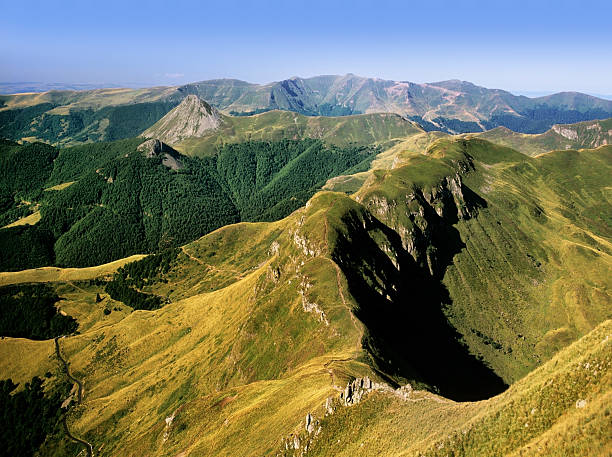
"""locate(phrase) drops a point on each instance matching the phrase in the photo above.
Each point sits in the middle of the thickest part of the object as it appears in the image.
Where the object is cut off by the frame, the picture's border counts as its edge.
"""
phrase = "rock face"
(394, 252)
(155, 148)
(565, 132)
(426, 216)
(193, 117)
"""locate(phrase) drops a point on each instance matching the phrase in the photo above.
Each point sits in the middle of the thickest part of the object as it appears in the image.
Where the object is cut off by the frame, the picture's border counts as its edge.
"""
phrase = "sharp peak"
(193, 98)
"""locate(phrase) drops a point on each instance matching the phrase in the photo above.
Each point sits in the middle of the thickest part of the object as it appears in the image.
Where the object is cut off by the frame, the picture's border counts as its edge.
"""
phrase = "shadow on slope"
(401, 302)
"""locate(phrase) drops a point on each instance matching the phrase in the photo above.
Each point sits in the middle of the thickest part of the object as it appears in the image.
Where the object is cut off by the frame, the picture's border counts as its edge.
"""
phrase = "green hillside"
(519, 242)
(74, 117)
(126, 198)
(279, 125)
(591, 134)
(460, 268)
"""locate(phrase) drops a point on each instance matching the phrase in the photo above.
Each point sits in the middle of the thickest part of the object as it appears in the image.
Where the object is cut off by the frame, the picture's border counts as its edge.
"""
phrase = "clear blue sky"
(515, 45)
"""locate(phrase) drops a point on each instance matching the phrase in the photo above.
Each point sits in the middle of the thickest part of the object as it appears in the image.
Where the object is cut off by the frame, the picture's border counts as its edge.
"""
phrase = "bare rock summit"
(193, 117)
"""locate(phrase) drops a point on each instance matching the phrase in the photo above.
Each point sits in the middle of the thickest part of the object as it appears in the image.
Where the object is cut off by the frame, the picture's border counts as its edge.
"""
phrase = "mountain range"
(70, 117)
(237, 274)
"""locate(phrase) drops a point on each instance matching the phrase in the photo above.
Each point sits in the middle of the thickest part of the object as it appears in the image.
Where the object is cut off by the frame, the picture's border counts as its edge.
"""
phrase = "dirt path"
(330, 371)
(58, 352)
(195, 259)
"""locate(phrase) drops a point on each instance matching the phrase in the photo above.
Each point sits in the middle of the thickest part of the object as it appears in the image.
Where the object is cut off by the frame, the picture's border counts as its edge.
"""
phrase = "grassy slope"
(54, 274)
(390, 158)
(539, 251)
(278, 125)
(31, 219)
(590, 134)
(96, 98)
(537, 416)
(245, 337)
(238, 361)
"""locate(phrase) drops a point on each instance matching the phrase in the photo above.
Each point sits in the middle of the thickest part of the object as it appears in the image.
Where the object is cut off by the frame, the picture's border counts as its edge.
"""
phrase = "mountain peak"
(193, 117)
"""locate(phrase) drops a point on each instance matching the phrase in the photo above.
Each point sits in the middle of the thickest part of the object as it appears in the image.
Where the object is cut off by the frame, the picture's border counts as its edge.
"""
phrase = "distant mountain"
(589, 134)
(26, 87)
(454, 106)
(69, 117)
(277, 125)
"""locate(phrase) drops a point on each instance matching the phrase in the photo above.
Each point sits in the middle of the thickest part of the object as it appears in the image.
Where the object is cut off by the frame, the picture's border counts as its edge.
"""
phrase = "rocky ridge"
(297, 444)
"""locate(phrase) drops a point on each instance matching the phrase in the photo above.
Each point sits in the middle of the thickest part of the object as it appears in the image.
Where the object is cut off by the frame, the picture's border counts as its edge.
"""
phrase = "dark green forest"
(28, 311)
(267, 181)
(122, 202)
(136, 275)
(29, 416)
(105, 124)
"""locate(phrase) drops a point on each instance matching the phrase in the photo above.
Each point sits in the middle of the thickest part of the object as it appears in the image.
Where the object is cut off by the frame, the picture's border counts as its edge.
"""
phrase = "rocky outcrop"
(307, 305)
(423, 218)
(154, 148)
(298, 444)
(193, 117)
(565, 132)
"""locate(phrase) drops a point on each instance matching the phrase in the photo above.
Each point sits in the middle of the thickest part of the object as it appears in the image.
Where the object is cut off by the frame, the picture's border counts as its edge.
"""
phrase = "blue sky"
(515, 45)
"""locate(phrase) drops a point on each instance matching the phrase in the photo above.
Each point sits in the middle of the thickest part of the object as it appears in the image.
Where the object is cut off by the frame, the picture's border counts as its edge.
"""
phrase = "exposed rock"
(329, 406)
(273, 274)
(274, 248)
(169, 421)
(155, 148)
(309, 423)
(308, 306)
(297, 445)
(565, 132)
(422, 217)
(356, 390)
(302, 243)
(193, 117)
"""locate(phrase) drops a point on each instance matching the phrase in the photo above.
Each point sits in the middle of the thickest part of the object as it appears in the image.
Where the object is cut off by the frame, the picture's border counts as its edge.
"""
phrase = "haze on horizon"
(521, 46)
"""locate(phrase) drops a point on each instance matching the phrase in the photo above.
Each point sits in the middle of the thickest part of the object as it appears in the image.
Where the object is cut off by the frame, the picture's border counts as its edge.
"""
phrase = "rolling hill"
(366, 129)
(99, 202)
(73, 117)
(458, 302)
(590, 134)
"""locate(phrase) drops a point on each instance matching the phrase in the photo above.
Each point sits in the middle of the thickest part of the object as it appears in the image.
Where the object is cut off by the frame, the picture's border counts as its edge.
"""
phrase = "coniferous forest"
(118, 202)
